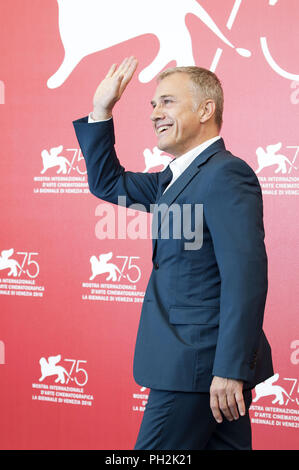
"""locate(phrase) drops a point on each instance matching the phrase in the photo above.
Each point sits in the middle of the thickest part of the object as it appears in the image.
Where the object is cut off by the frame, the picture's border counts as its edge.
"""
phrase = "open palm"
(112, 87)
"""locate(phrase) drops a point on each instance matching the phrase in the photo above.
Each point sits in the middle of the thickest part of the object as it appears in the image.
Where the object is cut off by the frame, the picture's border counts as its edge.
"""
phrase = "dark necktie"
(165, 178)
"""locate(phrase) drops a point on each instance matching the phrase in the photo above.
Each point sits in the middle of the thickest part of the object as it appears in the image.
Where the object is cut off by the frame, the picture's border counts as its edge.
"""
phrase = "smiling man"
(180, 106)
(200, 346)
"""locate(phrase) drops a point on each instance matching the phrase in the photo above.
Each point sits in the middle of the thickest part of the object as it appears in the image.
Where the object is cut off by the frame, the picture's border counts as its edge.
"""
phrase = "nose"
(157, 113)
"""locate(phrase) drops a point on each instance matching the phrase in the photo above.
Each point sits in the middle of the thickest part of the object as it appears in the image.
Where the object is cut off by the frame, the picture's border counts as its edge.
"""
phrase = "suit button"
(156, 265)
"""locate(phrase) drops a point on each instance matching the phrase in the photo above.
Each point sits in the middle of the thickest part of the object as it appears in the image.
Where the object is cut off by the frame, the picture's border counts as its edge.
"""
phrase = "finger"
(232, 404)
(129, 73)
(128, 64)
(125, 70)
(111, 70)
(122, 66)
(224, 407)
(214, 405)
(240, 403)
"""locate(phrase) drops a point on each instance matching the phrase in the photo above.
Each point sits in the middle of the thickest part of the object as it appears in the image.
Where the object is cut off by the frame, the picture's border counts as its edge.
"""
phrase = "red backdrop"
(68, 322)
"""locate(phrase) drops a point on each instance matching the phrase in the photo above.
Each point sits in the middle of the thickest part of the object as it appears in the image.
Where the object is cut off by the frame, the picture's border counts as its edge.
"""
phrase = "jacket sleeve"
(107, 178)
(234, 215)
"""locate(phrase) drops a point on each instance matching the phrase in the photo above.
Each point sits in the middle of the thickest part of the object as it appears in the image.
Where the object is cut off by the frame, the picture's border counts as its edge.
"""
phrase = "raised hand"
(112, 87)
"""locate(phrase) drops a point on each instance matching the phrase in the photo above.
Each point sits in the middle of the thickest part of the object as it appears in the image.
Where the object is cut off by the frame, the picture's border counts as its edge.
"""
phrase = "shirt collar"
(179, 164)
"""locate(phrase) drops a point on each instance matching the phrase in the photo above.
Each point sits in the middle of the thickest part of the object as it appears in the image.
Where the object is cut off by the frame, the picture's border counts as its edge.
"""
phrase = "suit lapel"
(184, 179)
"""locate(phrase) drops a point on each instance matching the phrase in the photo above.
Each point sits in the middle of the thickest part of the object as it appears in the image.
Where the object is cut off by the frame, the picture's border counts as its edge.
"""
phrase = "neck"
(208, 134)
(203, 136)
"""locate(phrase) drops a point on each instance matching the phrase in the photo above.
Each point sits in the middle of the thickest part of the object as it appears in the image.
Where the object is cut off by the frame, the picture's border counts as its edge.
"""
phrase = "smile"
(162, 129)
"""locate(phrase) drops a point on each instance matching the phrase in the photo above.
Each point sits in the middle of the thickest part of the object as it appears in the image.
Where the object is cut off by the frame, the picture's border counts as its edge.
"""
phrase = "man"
(200, 347)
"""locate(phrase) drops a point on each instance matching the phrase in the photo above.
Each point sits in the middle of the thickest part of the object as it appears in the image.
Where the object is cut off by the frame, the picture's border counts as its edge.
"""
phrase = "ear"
(207, 110)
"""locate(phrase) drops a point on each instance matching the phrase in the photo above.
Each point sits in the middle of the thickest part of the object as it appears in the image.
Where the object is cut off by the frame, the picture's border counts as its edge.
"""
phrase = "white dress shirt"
(178, 165)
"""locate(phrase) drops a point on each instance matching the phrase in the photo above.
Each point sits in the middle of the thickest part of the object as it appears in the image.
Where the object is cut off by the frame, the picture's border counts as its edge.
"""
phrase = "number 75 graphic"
(78, 370)
(33, 271)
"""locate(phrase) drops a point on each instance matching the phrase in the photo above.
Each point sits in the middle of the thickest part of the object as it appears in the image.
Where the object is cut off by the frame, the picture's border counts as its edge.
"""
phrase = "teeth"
(164, 128)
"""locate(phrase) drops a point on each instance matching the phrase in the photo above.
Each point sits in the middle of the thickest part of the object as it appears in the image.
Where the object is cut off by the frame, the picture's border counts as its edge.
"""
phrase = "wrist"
(101, 114)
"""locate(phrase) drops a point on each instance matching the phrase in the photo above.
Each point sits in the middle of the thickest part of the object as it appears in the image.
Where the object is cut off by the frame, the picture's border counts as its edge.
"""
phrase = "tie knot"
(166, 177)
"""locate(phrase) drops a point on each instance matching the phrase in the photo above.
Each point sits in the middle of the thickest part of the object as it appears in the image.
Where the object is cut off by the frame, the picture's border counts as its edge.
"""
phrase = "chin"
(164, 147)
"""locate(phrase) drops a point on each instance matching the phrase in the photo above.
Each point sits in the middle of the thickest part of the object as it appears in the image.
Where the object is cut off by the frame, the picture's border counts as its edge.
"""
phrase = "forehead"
(177, 84)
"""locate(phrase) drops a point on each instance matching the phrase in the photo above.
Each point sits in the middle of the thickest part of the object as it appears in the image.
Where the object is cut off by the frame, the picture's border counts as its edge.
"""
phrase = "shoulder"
(225, 165)
(226, 161)
(230, 175)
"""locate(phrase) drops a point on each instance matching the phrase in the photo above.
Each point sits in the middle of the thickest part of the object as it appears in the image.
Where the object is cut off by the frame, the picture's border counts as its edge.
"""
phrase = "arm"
(234, 215)
(107, 178)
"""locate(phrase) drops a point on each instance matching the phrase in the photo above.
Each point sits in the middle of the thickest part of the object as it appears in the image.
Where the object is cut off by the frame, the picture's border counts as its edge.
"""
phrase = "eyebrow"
(161, 97)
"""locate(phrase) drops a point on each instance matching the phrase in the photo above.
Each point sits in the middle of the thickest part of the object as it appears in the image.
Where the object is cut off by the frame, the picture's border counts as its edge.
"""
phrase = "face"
(175, 117)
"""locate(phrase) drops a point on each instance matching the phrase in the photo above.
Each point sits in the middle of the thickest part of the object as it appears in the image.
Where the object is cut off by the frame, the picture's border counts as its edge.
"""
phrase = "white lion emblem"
(155, 158)
(49, 367)
(270, 157)
(12, 264)
(89, 26)
(267, 388)
(54, 159)
(100, 266)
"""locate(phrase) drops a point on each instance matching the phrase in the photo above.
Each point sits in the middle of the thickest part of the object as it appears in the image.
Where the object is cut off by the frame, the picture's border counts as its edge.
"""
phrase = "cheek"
(183, 130)
(186, 125)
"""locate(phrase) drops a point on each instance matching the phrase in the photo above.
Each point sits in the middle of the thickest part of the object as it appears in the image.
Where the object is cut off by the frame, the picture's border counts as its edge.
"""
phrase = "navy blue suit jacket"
(203, 309)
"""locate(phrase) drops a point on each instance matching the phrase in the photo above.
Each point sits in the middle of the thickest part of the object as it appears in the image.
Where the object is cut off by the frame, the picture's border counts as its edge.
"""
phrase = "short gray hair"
(204, 80)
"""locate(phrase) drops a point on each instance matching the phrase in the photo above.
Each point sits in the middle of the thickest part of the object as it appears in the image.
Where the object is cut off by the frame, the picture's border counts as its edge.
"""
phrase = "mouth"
(162, 129)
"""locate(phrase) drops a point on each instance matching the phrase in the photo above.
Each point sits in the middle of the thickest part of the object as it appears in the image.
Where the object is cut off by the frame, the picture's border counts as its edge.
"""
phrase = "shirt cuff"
(90, 119)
